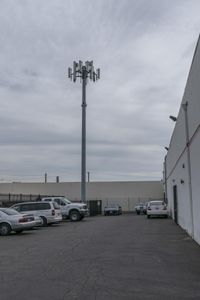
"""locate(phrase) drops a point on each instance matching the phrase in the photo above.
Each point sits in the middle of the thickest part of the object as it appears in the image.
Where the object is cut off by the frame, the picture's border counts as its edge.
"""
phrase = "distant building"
(182, 162)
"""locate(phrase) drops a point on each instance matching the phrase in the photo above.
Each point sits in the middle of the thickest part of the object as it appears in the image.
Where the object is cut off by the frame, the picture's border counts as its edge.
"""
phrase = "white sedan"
(11, 220)
(157, 208)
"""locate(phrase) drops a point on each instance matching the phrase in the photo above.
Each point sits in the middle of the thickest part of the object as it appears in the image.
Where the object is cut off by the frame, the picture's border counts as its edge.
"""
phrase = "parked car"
(140, 208)
(157, 208)
(49, 213)
(69, 210)
(112, 210)
(39, 221)
(11, 220)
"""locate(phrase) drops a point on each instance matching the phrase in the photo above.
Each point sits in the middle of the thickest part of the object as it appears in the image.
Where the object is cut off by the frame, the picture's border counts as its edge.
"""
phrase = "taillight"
(23, 220)
(53, 212)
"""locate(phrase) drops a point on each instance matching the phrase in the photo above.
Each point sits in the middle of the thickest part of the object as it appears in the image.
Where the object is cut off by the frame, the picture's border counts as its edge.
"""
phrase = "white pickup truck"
(70, 210)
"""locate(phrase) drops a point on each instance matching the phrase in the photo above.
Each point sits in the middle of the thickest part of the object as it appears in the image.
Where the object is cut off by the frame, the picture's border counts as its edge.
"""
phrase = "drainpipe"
(185, 108)
(165, 178)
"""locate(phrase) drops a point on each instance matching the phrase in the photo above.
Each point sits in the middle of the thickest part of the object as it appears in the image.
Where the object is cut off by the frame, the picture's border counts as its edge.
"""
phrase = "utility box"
(95, 207)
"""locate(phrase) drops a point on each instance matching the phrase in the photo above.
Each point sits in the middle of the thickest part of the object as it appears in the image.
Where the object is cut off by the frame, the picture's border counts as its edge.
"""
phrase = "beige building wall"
(128, 194)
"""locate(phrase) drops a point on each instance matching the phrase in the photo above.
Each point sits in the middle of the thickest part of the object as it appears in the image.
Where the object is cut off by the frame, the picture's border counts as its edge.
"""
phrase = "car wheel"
(5, 229)
(44, 221)
(148, 216)
(138, 212)
(74, 216)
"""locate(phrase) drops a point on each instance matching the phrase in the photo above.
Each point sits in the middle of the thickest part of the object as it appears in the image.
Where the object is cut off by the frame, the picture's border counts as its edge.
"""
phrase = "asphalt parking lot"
(117, 257)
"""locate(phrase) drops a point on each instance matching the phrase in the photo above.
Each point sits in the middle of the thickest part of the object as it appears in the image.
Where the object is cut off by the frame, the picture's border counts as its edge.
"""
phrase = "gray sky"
(144, 50)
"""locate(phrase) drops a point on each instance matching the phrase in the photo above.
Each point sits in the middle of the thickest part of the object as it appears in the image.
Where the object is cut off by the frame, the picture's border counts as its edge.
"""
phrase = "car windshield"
(9, 211)
(56, 206)
(156, 203)
(66, 200)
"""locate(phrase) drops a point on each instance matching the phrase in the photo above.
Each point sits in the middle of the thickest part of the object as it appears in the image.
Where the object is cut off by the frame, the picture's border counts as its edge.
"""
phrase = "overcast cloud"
(144, 50)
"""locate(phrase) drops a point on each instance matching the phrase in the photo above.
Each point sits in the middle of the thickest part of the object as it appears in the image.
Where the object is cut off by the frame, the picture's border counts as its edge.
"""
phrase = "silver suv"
(70, 210)
(50, 213)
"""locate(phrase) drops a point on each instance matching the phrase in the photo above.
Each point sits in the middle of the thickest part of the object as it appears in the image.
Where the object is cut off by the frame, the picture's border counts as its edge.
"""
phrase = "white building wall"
(177, 160)
(179, 175)
(177, 143)
(192, 92)
(195, 167)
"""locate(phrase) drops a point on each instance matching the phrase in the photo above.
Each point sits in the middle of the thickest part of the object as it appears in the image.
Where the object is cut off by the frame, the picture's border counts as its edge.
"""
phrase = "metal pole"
(185, 107)
(83, 155)
(85, 72)
(165, 178)
(88, 173)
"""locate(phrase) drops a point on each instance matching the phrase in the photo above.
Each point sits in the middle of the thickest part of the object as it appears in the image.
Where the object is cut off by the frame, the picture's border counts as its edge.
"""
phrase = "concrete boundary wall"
(127, 194)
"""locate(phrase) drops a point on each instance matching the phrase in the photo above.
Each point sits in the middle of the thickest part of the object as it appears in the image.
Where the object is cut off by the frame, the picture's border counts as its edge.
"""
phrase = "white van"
(70, 210)
(50, 213)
